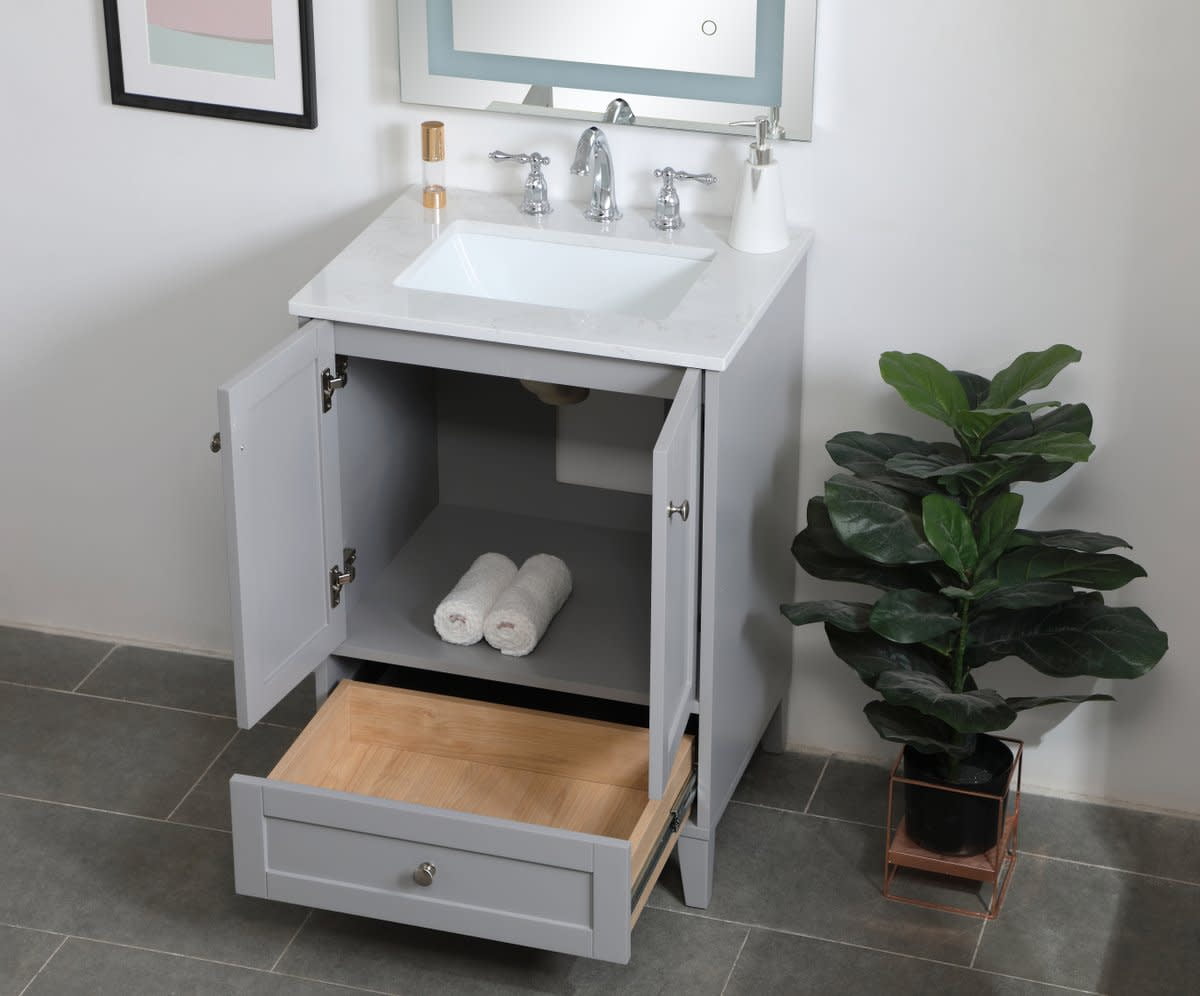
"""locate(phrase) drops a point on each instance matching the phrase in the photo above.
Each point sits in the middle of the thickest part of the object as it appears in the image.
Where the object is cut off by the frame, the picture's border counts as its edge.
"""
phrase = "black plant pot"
(950, 822)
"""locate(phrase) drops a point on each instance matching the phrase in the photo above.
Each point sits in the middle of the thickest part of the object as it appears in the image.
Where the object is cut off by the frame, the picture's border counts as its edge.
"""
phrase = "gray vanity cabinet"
(364, 469)
(284, 519)
(285, 495)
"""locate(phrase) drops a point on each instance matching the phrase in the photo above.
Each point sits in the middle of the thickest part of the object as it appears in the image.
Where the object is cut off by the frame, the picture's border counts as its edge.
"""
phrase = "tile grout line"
(800, 812)
(736, 958)
(111, 650)
(867, 947)
(44, 964)
(292, 940)
(224, 964)
(1036, 982)
(978, 943)
(109, 698)
(1031, 854)
(109, 812)
(1111, 868)
(138, 702)
(208, 768)
(35, 930)
(811, 937)
(816, 785)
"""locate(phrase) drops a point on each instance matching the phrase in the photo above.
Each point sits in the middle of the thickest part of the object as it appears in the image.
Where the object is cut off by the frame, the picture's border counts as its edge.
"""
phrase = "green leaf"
(866, 453)
(852, 616)
(1028, 596)
(976, 424)
(924, 384)
(1080, 637)
(870, 655)
(1028, 372)
(1100, 571)
(1067, 539)
(1022, 703)
(924, 733)
(980, 711)
(949, 531)
(1017, 427)
(975, 478)
(978, 590)
(879, 522)
(913, 616)
(1064, 447)
(975, 386)
(822, 554)
(1036, 406)
(1040, 471)
(1068, 418)
(996, 527)
(999, 423)
(926, 465)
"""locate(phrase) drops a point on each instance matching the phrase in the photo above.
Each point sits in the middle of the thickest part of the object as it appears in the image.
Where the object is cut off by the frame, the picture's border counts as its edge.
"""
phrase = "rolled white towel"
(524, 609)
(459, 617)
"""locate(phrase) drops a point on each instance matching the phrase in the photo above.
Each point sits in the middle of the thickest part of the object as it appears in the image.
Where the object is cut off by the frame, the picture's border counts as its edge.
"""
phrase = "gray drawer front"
(507, 881)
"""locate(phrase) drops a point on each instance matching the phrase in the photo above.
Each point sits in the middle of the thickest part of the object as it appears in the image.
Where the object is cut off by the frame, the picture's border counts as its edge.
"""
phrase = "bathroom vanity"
(371, 456)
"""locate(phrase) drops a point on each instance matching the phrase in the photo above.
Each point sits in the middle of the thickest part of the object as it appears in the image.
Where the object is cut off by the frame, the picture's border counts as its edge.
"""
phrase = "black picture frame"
(307, 118)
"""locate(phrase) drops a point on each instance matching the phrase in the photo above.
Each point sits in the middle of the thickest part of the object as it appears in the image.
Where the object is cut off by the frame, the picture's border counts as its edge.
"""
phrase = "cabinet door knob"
(214, 444)
(683, 510)
(423, 876)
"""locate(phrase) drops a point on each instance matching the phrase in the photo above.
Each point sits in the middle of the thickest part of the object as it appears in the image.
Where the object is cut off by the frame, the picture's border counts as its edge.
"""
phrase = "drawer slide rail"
(679, 811)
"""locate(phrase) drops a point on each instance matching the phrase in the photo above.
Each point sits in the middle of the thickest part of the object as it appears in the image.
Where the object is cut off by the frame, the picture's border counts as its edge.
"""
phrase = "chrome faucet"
(537, 197)
(666, 207)
(593, 158)
(619, 112)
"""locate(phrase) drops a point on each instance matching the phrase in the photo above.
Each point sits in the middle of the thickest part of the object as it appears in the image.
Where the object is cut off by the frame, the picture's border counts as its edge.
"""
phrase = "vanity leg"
(774, 738)
(696, 859)
(329, 672)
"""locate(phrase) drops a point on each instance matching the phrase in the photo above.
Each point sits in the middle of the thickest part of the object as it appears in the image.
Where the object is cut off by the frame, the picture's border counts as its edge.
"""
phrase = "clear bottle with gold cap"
(433, 154)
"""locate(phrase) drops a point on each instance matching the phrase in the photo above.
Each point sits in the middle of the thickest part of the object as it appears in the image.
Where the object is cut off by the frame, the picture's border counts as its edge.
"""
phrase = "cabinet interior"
(582, 775)
(440, 466)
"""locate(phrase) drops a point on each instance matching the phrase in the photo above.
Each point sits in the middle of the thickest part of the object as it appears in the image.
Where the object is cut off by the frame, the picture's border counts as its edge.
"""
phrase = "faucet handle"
(537, 197)
(535, 159)
(670, 174)
(666, 205)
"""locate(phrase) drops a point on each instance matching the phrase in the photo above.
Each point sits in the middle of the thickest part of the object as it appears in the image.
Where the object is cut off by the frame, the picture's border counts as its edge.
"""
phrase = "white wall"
(984, 178)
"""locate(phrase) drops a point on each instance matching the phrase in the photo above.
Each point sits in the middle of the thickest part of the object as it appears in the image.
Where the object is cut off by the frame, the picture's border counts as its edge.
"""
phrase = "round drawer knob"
(423, 876)
(682, 510)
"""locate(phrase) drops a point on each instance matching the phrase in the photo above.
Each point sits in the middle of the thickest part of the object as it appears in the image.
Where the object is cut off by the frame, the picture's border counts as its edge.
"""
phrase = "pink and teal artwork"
(216, 36)
(248, 60)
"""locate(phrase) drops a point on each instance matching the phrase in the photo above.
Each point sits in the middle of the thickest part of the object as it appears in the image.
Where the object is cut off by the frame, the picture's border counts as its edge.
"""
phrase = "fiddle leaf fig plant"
(935, 527)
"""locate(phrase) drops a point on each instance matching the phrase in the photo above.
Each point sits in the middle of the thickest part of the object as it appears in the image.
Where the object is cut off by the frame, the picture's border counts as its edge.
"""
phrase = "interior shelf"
(598, 645)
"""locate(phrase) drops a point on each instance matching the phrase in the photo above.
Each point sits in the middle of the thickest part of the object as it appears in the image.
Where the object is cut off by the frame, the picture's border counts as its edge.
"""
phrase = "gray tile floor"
(115, 872)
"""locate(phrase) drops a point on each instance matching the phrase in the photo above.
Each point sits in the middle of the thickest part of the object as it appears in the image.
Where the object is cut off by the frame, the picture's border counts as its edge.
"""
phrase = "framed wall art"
(251, 60)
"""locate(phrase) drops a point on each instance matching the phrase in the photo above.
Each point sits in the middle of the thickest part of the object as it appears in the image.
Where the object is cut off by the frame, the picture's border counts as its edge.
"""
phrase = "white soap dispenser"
(759, 221)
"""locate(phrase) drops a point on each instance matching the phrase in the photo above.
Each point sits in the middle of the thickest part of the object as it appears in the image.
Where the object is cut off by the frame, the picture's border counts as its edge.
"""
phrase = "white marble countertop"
(704, 330)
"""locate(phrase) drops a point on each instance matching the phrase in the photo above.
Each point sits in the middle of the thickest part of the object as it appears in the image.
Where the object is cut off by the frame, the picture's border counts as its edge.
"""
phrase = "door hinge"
(339, 577)
(330, 382)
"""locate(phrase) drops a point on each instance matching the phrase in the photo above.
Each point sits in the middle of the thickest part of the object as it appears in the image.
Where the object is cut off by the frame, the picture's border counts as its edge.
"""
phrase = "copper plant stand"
(995, 865)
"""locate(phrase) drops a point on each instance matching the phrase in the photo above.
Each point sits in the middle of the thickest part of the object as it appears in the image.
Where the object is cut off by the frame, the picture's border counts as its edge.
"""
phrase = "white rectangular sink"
(557, 269)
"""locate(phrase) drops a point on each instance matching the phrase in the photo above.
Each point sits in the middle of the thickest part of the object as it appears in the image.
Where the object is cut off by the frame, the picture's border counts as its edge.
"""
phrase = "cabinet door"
(674, 577)
(283, 518)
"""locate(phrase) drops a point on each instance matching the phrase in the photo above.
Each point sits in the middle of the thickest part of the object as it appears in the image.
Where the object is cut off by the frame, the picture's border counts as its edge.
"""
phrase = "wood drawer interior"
(581, 775)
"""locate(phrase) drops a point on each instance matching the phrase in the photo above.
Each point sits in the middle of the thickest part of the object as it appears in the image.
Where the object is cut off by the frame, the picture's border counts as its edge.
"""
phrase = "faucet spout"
(593, 158)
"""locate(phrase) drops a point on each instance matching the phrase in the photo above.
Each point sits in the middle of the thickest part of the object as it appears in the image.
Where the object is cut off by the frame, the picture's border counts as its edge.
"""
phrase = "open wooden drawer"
(513, 824)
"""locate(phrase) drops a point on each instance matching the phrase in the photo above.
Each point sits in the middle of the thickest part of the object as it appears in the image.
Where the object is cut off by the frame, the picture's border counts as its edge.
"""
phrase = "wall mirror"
(700, 65)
